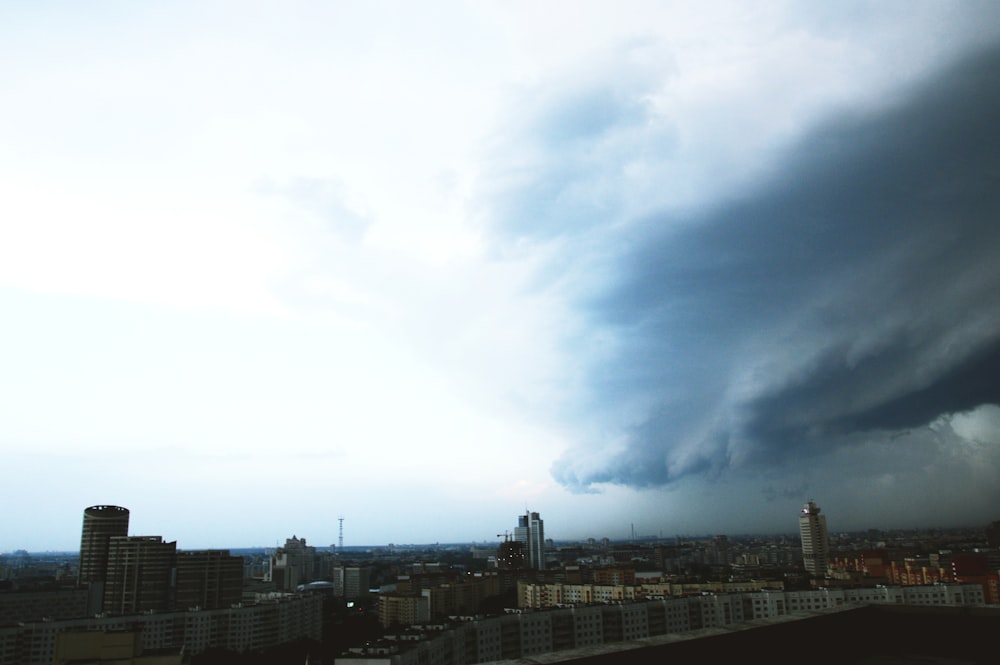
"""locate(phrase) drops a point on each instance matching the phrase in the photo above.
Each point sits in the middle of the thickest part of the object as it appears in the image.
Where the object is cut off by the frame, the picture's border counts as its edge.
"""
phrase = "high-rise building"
(530, 531)
(208, 579)
(815, 541)
(292, 564)
(139, 575)
(100, 523)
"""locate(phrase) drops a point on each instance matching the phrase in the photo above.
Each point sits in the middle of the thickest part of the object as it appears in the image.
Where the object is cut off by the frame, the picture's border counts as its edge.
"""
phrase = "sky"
(665, 267)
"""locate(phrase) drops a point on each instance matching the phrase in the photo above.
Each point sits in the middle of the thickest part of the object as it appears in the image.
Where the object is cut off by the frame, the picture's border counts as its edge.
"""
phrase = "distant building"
(208, 579)
(510, 555)
(993, 534)
(139, 574)
(352, 582)
(292, 564)
(530, 531)
(100, 524)
(815, 541)
(402, 610)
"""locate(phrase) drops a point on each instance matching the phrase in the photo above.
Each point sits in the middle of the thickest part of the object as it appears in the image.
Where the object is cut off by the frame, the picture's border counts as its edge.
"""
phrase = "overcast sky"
(675, 266)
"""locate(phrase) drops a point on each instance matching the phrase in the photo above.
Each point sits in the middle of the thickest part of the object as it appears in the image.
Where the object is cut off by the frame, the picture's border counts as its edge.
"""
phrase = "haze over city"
(655, 266)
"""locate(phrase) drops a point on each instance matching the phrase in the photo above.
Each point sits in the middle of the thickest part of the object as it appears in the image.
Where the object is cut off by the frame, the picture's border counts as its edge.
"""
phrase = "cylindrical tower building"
(100, 523)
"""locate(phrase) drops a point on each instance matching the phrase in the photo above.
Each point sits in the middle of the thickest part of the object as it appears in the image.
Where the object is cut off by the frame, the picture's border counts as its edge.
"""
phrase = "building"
(139, 577)
(243, 628)
(208, 579)
(352, 582)
(815, 541)
(121, 647)
(100, 524)
(510, 555)
(292, 564)
(402, 610)
(36, 605)
(530, 531)
(592, 636)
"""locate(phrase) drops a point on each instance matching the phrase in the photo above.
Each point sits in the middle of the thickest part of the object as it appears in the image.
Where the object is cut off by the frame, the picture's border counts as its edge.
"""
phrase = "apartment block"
(253, 627)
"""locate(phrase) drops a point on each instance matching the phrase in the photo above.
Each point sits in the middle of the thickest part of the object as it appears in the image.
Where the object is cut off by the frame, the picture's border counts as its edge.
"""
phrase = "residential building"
(292, 564)
(402, 610)
(352, 582)
(207, 579)
(139, 575)
(240, 629)
(120, 647)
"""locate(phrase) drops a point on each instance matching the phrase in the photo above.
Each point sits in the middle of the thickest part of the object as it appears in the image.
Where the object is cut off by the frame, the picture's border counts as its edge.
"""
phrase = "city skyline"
(683, 268)
(109, 518)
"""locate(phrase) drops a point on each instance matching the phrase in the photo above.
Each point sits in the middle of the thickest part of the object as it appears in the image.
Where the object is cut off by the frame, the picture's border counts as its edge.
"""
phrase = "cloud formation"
(699, 260)
(852, 290)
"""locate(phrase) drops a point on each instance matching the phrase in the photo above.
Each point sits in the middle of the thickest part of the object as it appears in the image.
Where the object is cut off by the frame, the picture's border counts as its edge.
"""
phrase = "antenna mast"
(340, 540)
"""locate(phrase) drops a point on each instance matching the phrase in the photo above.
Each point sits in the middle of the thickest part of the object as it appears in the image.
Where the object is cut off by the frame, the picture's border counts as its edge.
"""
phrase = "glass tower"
(531, 533)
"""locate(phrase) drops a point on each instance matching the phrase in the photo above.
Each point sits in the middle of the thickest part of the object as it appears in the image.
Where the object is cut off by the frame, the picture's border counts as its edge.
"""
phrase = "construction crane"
(505, 534)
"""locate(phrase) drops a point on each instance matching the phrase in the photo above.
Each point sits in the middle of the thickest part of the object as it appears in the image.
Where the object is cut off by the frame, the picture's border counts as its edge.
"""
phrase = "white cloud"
(168, 308)
(981, 425)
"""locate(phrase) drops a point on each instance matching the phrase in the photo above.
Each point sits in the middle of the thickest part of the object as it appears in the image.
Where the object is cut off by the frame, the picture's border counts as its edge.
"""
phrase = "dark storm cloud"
(856, 290)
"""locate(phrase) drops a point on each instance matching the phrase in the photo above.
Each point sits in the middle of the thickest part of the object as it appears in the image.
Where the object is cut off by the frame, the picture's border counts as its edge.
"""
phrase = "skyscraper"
(530, 531)
(100, 523)
(815, 542)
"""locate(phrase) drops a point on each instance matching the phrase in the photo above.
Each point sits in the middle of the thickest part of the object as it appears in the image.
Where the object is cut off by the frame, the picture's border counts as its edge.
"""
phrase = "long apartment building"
(240, 629)
(526, 633)
(541, 596)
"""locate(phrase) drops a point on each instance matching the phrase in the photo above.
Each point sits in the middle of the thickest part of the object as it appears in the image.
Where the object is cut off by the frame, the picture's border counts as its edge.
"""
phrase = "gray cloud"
(854, 291)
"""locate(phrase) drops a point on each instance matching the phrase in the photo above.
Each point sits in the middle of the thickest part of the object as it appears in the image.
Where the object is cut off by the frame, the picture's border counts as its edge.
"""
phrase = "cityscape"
(126, 598)
(510, 332)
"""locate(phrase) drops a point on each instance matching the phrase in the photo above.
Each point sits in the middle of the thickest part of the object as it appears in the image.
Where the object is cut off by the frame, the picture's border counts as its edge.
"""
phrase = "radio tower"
(340, 540)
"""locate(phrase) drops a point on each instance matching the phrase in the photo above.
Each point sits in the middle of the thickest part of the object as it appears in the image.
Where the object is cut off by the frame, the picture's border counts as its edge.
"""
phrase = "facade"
(402, 610)
(100, 524)
(18, 606)
(292, 564)
(530, 531)
(815, 541)
(761, 604)
(527, 633)
(207, 579)
(542, 595)
(352, 582)
(250, 628)
(139, 577)
(117, 647)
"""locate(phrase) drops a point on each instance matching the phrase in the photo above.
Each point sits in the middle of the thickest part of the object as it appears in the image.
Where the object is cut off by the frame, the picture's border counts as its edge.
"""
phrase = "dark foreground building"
(873, 635)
